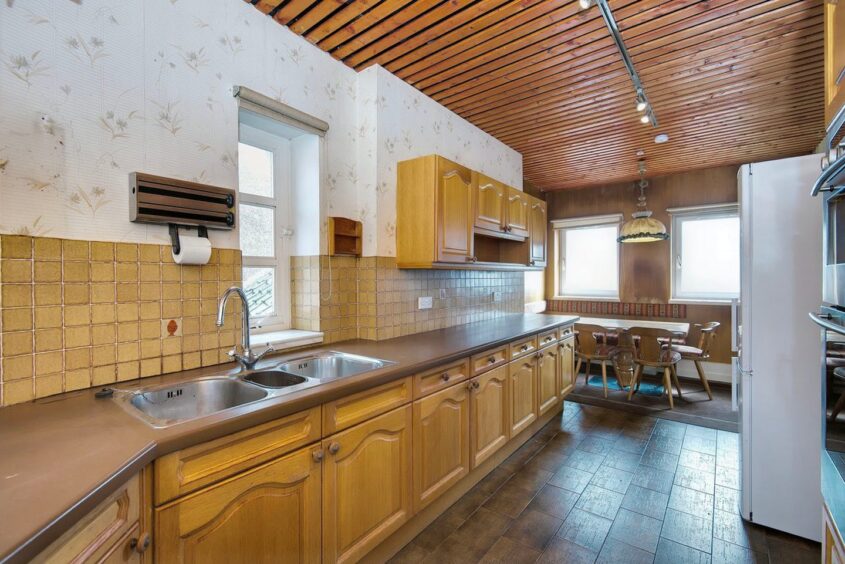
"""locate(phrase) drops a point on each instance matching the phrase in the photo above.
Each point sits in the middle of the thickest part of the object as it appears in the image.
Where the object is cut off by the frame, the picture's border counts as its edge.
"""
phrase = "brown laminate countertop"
(61, 456)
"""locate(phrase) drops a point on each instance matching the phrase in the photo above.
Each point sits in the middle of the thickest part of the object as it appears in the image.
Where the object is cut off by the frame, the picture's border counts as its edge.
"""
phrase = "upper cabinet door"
(517, 212)
(834, 58)
(489, 204)
(538, 225)
(455, 212)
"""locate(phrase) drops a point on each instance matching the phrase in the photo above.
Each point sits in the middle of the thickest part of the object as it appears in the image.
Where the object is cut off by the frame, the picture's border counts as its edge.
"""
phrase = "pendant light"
(642, 228)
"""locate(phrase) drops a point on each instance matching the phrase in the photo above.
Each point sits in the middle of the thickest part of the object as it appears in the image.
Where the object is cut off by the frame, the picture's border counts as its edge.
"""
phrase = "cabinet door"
(522, 375)
(441, 442)
(566, 363)
(548, 383)
(366, 485)
(489, 204)
(455, 213)
(490, 428)
(834, 58)
(537, 237)
(270, 513)
(517, 212)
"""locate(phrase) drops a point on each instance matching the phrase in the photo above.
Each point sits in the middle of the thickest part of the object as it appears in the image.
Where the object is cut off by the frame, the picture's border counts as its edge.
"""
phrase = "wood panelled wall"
(644, 269)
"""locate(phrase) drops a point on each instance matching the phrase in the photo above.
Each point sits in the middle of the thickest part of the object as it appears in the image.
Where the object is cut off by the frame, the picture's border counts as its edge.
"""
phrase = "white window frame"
(560, 226)
(680, 215)
(280, 203)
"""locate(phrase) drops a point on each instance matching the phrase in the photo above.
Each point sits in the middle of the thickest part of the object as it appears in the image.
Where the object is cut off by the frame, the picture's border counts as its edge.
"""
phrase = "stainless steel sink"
(274, 379)
(329, 365)
(166, 405)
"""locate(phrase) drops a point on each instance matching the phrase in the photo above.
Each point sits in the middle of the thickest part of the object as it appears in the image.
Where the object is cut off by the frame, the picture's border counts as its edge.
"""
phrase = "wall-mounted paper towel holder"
(155, 199)
(202, 231)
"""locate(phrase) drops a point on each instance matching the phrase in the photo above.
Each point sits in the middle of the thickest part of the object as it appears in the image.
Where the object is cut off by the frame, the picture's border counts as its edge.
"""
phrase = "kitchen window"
(705, 253)
(587, 261)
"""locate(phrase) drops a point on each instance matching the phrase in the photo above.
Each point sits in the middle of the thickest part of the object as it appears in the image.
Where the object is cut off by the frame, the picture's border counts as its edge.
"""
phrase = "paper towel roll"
(194, 250)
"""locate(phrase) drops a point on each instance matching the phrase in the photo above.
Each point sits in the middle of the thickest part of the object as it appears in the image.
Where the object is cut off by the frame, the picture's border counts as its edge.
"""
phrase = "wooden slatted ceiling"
(731, 81)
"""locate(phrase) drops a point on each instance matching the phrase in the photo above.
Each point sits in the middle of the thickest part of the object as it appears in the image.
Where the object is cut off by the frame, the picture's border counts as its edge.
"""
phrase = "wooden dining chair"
(700, 353)
(591, 345)
(652, 352)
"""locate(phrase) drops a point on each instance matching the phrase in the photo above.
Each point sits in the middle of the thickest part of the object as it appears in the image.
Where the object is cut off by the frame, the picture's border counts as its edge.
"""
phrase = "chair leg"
(674, 373)
(577, 367)
(837, 407)
(604, 377)
(703, 378)
(634, 380)
(587, 371)
(667, 384)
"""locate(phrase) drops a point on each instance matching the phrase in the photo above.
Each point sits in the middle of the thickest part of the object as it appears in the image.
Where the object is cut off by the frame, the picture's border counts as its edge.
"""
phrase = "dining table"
(627, 324)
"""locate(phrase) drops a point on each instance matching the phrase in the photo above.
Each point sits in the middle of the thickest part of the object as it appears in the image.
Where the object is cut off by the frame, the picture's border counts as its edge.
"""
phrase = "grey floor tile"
(670, 552)
(730, 527)
(600, 501)
(571, 479)
(560, 550)
(622, 460)
(727, 553)
(612, 479)
(659, 459)
(473, 539)
(665, 443)
(595, 445)
(690, 501)
(654, 479)
(509, 500)
(554, 501)
(687, 529)
(700, 444)
(727, 499)
(636, 529)
(585, 529)
(728, 477)
(645, 501)
(508, 551)
(534, 529)
(615, 551)
(788, 549)
(530, 478)
(695, 479)
(583, 460)
(410, 554)
(697, 460)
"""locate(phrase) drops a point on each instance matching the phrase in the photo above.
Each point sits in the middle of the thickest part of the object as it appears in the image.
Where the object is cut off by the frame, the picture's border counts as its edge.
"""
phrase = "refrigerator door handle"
(734, 404)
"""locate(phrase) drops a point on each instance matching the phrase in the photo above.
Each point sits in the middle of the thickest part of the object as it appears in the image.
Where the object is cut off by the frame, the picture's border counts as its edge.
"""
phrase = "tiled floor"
(606, 486)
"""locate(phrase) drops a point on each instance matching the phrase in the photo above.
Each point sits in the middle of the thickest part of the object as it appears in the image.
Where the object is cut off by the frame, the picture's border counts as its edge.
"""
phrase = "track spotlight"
(585, 4)
(645, 119)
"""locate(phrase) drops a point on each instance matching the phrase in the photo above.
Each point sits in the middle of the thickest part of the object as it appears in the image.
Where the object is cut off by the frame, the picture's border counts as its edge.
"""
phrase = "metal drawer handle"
(334, 448)
(140, 544)
(524, 348)
(317, 455)
(491, 360)
(445, 376)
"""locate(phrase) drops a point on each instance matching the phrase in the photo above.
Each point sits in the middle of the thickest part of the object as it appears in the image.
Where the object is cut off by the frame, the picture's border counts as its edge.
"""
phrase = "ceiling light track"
(642, 102)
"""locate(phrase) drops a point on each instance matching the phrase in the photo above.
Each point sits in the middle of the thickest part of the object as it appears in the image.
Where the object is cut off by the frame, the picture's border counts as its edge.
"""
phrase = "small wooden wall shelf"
(344, 237)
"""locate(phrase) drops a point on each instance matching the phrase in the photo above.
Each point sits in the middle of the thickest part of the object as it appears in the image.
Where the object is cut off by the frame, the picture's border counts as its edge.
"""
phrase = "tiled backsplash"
(76, 314)
(370, 298)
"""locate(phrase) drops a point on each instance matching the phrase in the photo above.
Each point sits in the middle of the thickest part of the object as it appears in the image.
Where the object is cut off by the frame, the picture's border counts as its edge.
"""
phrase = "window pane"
(591, 264)
(257, 235)
(260, 289)
(709, 257)
(255, 170)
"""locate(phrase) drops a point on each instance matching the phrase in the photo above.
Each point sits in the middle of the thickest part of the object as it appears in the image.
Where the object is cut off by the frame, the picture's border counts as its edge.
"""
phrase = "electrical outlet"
(425, 303)
(497, 296)
(442, 293)
(171, 327)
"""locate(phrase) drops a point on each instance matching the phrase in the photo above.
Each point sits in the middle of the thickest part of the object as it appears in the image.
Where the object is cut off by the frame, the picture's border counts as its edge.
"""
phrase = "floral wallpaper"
(97, 89)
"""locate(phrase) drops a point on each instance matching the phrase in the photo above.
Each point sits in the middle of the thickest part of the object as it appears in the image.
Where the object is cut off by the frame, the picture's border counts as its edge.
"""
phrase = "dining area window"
(587, 264)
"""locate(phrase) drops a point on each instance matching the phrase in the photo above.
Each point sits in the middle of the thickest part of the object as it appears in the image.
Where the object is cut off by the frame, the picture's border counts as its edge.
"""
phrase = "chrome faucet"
(248, 359)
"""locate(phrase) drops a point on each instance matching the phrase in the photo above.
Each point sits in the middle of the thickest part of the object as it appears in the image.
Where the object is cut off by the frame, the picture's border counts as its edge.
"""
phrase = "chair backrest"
(650, 346)
(589, 338)
(706, 337)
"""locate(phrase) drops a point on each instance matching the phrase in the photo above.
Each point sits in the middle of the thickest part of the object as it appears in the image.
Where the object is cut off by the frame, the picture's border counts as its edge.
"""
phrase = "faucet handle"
(268, 350)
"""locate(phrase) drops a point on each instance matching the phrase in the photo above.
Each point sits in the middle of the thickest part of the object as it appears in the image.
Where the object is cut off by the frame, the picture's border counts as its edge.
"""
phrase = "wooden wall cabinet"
(489, 206)
(270, 513)
(435, 211)
(490, 410)
(522, 377)
(366, 484)
(548, 379)
(834, 59)
(518, 206)
(537, 228)
(441, 442)
(566, 363)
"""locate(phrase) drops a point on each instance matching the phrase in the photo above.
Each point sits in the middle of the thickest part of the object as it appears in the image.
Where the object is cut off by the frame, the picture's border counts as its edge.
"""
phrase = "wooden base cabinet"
(522, 376)
(490, 411)
(548, 381)
(366, 484)
(833, 551)
(441, 442)
(566, 365)
(270, 513)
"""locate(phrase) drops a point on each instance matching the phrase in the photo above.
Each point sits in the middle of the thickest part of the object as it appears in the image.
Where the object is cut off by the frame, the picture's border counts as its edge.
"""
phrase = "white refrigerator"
(777, 348)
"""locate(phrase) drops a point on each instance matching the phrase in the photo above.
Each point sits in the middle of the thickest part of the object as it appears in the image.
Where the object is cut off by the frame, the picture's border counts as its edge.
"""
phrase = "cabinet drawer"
(523, 347)
(489, 359)
(349, 411)
(192, 468)
(96, 535)
(547, 338)
(564, 332)
(440, 378)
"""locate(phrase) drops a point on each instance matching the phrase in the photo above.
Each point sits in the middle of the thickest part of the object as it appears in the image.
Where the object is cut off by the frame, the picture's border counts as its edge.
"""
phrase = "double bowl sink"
(166, 405)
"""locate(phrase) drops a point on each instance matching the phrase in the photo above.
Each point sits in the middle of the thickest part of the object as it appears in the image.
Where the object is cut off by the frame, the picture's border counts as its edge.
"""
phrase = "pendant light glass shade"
(642, 228)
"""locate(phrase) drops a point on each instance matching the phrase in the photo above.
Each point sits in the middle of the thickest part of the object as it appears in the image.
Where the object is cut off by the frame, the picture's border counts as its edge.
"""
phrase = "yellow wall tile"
(150, 273)
(48, 385)
(190, 291)
(77, 379)
(150, 310)
(76, 294)
(48, 271)
(75, 272)
(102, 251)
(17, 343)
(126, 272)
(16, 295)
(208, 341)
(210, 357)
(45, 248)
(48, 294)
(150, 291)
(19, 319)
(77, 336)
(150, 329)
(150, 348)
(126, 252)
(190, 273)
(171, 345)
(171, 364)
(74, 316)
(171, 291)
(75, 250)
(171, 273)
(128, 351)
(150, 367)
(106, 374)
(48, 340)
(127, 292)
(17, 367)
(128, 371)
(128, 331)
(77, 358)
(191, 308)
(16, 246)
(18, 391)
(166, 253)
(171, 309)
(102, 313)
(191, 360)
(16, 271)
(102, 272)
(103, 334)
(103, 293)
(127, 312)
(148, 253)
(102, 355)
(48, 363)
(190, 343)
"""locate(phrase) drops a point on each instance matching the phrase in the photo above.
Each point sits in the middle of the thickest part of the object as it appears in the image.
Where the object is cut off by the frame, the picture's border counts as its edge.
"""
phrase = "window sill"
(588, 298)
(286, 339)
(693, 301)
